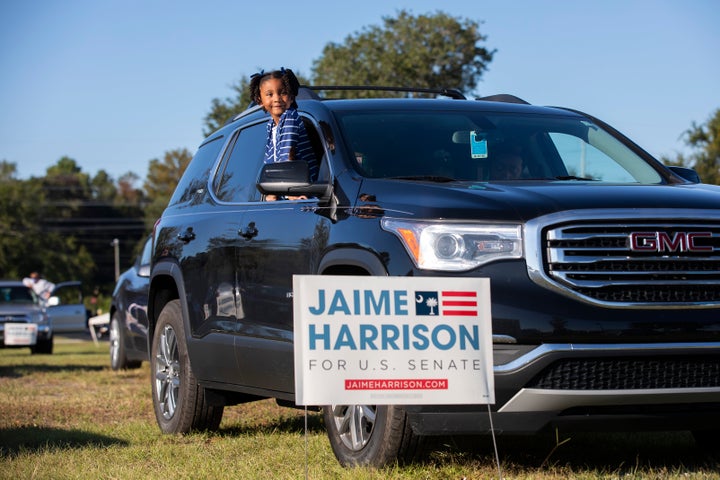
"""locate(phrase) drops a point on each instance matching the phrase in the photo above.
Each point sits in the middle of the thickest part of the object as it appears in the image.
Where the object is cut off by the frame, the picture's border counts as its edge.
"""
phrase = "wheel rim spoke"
(354, 424)
(167, 371)
(356, 434)
(114, 342)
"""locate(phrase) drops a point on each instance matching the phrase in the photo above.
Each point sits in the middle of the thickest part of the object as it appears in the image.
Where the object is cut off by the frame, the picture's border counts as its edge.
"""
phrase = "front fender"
(166, 284)
(340, 258)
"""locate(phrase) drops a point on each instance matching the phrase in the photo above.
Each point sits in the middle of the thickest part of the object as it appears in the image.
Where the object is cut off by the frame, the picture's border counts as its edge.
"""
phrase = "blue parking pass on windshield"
(478, 147)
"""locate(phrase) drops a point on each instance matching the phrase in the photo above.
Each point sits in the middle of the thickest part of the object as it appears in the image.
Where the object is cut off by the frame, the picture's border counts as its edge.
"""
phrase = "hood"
(523, 201)
(17, 310)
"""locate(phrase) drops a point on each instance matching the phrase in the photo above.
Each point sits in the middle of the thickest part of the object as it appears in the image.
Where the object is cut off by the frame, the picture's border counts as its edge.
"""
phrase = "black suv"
(604, 266)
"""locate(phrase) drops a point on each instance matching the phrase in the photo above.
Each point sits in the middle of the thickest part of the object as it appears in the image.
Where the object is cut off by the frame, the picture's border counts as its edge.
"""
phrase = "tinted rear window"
(195, 178)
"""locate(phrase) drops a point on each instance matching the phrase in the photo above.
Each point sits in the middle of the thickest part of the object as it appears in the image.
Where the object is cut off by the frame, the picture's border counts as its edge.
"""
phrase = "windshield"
(17, 295)
(488, 147)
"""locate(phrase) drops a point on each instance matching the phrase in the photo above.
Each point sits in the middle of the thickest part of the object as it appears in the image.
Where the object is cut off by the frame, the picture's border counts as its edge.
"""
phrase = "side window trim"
(324, 158)
(187, 187)
(221, 164)
(224, 159)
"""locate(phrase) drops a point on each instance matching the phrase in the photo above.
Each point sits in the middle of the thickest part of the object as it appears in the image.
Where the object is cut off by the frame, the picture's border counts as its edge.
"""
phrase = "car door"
(283, 238)
(66, 308)
(194, 242)
(136, 296)
(210, 273)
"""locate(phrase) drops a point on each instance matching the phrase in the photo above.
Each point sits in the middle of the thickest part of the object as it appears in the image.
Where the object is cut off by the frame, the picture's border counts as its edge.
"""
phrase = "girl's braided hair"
(288, 78)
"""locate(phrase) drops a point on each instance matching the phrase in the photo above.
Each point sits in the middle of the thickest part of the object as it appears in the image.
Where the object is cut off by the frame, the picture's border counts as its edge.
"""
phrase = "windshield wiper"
(573, 177)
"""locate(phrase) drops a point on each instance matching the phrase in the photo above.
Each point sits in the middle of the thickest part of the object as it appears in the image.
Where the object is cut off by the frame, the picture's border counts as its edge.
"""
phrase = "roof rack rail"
(308, 92)
(503, 97)
(445, 92)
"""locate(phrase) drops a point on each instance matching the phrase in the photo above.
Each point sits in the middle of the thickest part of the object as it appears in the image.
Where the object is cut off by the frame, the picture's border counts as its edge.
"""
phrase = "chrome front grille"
(643, 263)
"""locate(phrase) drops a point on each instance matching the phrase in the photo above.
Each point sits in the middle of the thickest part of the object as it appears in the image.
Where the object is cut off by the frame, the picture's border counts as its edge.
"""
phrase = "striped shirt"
(289, 136)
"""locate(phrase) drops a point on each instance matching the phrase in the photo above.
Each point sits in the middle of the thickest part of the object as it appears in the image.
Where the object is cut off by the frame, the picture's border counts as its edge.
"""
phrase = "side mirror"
(143, 270)
(288, 178)
(53, 301)
(687, 173)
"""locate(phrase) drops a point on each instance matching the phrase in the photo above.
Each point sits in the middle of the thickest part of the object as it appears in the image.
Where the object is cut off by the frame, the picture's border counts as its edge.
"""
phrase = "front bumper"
(44, 333)
(592, 387)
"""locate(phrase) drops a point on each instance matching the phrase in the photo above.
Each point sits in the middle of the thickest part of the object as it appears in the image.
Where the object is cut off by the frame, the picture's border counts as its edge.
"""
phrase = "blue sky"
(114, 84)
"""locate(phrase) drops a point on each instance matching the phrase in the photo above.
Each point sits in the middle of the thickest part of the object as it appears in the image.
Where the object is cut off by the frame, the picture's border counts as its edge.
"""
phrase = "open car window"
(235, 180)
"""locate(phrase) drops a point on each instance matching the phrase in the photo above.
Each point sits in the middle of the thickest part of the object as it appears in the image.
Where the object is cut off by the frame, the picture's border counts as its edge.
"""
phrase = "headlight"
(456, 246)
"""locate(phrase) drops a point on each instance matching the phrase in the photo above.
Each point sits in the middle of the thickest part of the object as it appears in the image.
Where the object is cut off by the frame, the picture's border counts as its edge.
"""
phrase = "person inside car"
(287, 138)
(506, 165)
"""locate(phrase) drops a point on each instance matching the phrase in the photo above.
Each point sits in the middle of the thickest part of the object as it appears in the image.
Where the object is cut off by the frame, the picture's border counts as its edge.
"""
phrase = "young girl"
(287, 138)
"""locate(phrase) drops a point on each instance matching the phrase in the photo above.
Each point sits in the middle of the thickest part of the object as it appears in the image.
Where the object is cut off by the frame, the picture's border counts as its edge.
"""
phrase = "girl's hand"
(272, 198)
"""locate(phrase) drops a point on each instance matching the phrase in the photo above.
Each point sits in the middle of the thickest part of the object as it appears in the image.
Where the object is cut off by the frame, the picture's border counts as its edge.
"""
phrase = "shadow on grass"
(36, 439)
(79, 349)
(294, 424)
(604, 452)
(17, 371)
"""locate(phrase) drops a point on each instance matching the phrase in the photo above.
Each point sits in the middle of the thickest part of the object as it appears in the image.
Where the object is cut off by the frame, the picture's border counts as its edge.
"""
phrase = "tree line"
(64, 223)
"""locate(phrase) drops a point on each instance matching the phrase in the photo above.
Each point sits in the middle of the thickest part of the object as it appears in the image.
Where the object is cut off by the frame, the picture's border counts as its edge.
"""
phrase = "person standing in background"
(39, 285)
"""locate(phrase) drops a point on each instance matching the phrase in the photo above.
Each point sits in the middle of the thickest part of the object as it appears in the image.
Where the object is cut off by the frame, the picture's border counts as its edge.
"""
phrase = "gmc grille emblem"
(666, 242)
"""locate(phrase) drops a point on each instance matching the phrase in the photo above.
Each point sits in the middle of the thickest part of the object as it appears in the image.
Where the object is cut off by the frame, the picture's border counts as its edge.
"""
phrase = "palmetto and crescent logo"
(446, 303)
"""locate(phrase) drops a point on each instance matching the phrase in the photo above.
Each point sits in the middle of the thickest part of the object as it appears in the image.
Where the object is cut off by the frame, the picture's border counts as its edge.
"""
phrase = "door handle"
(249, 232)
(187, 236)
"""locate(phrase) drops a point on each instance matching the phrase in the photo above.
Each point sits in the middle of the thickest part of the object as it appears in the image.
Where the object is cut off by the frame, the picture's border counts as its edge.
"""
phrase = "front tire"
(43, 346)
(370, 435)
(707, 440)
(179, 402)
(118, 350)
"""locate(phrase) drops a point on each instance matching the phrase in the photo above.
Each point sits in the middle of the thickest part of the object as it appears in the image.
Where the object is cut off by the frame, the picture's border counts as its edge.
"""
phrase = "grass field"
(68, 415)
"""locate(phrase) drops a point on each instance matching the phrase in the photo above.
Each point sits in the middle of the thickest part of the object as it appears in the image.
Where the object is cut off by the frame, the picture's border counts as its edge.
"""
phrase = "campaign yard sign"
(392, 340)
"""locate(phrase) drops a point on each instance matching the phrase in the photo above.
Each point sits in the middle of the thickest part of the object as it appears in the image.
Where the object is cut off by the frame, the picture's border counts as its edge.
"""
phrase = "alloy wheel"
(354, 424)
(167, 372)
